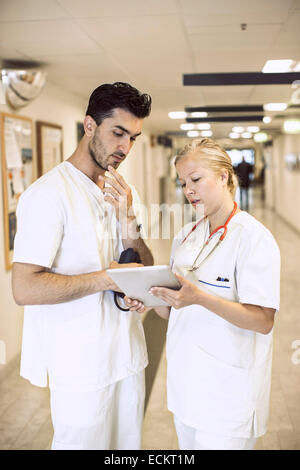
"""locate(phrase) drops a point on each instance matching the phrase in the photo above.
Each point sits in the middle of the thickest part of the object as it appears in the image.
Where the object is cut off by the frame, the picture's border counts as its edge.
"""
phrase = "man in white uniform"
(73, 223)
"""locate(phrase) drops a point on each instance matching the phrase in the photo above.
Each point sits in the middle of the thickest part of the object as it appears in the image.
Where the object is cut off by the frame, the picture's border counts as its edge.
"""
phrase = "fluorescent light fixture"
(260, 137)
(203, 127)
(297, 67)
(253, 129)
(246, 135)
(275, 106)
(238, 129)
(267, 119)
(278, 66)
(187, 127)
(199, 114)
(177, 115)
(192, 133)
(291, 126)
(234, 135)
(206, 133)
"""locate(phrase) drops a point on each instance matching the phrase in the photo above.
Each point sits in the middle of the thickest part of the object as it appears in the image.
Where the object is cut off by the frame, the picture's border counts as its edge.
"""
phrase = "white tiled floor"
(24, 410)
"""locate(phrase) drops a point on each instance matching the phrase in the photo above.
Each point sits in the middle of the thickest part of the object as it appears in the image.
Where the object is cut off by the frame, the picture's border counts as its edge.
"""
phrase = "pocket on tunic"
(224, 389)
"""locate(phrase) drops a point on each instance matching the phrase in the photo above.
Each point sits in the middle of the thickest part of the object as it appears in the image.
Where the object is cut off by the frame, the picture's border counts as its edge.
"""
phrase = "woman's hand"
(188, 294)
(135, 305)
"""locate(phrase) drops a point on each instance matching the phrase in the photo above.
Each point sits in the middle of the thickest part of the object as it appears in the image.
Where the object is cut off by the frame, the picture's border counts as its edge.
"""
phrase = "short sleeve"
(258, 270)
(40, 224)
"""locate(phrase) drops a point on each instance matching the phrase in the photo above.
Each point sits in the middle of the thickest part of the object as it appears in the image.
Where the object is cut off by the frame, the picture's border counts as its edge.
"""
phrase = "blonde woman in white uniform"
(219, 340)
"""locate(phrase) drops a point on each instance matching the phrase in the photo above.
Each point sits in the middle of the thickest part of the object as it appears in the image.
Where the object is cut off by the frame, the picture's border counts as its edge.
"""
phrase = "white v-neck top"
(219, 375)
(64, 224)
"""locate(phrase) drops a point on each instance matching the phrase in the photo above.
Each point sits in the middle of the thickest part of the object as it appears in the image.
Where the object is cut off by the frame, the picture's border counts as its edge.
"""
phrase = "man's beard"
(97, 149)
(97, 153)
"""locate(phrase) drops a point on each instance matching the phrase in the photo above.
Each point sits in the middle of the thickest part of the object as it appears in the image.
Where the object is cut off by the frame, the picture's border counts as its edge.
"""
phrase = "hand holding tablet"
(136, 282)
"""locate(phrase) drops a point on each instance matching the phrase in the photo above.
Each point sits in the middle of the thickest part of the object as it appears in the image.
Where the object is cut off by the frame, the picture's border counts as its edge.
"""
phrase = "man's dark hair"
(107, 97)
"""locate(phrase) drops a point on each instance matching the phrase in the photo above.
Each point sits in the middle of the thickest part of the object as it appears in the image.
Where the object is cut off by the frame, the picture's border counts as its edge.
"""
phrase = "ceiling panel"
(235, 40)
(271, 10)
(151, 44)
(135, 43)
(270, 94)
(128, 8)
(26, 10)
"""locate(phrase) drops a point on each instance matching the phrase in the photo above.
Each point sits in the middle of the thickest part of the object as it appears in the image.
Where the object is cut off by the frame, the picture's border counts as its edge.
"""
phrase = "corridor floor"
(25, 421)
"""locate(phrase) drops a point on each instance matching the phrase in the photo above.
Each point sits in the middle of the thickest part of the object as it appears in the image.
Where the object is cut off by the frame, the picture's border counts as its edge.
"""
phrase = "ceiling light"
(291, 126)
(206, 133)
(192, 133)
(198, 114)
(246, 135)
(278, 66)
(267, 119)
(260, 137)
(203, 127)
(238, 129)
(297, 67)
(177, 115)
(253, 129)
(187, 127)
(234, 135)
(275, 106)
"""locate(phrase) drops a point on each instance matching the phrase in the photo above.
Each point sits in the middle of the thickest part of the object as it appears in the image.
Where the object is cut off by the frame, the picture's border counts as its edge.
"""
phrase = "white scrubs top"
(219, 375)
(65, 225)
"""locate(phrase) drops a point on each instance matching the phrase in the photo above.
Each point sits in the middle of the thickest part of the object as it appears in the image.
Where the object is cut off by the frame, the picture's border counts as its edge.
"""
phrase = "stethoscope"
(218, 229)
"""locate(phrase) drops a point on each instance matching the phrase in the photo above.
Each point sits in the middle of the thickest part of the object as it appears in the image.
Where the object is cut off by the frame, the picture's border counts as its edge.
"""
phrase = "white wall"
(286, 183)
(53, 105)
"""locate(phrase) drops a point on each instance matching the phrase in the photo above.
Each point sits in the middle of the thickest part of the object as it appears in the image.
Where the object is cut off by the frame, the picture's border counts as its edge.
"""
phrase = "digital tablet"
(136, 282)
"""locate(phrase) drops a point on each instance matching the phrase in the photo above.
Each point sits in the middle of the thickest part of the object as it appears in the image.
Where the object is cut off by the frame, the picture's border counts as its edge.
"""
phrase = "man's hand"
(118, 194)
(135, 305)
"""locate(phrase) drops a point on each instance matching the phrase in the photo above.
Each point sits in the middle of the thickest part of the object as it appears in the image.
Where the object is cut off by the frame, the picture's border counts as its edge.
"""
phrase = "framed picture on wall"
(49, 146)
(17, 172)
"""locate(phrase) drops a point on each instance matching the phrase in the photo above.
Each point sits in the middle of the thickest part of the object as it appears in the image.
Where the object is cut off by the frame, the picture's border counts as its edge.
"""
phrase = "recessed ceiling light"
(177, 115)
(234, 135)
(267, 119)
(192, 133)
(297, 67)
(278, 66)
(203, 127)
(206, 133)
(198, 114)
(246, 135)
(260, 137)
(275, 106)
(253, 129)
(187, 127)
(238, 129)
(291, 126)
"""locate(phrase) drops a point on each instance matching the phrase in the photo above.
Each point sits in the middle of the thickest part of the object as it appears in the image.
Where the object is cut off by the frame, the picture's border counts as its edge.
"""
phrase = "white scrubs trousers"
(106, 419)
(193, 439)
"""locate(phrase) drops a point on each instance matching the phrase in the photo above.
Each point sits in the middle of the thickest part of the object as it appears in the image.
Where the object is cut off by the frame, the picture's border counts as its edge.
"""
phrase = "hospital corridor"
(25, 421)
(170, 129)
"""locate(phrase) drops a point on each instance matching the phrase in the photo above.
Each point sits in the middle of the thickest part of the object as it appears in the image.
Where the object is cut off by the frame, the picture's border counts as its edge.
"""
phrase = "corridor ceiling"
(152, 44)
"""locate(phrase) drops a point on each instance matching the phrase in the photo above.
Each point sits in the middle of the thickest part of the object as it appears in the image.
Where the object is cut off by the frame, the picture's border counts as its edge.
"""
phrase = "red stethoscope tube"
(217, 229)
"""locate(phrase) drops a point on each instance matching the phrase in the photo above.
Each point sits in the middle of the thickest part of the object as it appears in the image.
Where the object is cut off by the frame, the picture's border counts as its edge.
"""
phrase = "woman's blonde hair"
(213, 157)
